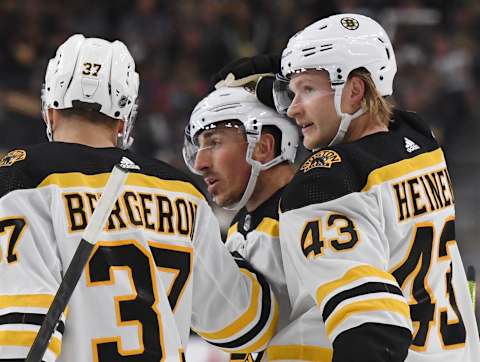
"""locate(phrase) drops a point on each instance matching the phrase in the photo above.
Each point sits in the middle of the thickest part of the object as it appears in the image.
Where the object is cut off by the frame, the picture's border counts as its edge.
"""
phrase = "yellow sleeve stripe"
(350, 276)
(25, 339)
(299, 353)
(380, 304)
(78, 179)
(269, 226)
(403, 167)
(244, 320)
(26, 300)
(232, 230)
(267, 336)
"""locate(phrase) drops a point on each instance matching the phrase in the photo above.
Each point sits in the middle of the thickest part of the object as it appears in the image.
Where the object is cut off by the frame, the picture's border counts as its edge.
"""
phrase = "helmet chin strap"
(345, 118)
(48, 128)
(252, 181)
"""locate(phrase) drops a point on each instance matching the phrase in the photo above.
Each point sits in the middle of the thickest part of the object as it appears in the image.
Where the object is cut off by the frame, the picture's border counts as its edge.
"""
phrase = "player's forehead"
(316, 77)
(229, 128)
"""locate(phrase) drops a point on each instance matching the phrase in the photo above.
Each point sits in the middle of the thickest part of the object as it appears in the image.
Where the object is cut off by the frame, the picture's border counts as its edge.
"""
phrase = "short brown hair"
(372, 101)
(91, 114)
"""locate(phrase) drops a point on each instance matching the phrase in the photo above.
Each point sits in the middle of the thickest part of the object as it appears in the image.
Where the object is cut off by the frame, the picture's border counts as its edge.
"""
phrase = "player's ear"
(355, 91)
(265, 148)
(53, 116)
(120, 126)
(50, 114)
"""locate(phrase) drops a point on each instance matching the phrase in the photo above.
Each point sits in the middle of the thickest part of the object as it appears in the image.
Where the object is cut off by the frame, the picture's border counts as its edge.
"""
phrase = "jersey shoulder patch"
(13, 156)
(323, 159)
(14, 172)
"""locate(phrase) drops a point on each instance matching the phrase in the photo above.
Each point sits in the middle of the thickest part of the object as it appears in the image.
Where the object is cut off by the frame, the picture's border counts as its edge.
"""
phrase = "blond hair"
(372, 102)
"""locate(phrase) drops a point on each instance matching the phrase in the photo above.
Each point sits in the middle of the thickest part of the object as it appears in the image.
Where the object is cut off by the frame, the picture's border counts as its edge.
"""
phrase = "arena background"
(178, 45)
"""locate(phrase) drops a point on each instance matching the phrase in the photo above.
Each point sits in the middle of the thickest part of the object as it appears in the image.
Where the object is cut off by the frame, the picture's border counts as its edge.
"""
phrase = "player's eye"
(213, 142)
(307, 89)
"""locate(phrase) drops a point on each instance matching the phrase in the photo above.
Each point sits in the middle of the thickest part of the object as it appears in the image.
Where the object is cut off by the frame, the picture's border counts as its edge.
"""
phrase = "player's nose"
(202, 160)
(295, 109)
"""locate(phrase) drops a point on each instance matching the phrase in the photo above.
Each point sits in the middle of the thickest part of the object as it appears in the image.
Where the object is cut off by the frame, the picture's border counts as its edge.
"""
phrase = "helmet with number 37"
(95, 72)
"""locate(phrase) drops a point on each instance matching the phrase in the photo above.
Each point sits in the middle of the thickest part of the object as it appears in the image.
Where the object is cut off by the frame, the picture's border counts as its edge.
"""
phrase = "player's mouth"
(306, 127)
(211, 183)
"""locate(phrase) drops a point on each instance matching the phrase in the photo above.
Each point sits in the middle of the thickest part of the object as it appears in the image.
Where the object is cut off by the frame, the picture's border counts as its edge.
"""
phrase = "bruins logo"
(323, 158)
(12, 157)
(350, 23)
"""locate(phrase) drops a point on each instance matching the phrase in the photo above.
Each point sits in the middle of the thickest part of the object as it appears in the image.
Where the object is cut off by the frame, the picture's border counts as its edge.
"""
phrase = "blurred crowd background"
(178, 45)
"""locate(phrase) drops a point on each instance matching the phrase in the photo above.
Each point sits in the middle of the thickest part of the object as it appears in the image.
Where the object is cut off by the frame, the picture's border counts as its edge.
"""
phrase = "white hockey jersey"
(158, 269)
(255, 236)
(368, 243)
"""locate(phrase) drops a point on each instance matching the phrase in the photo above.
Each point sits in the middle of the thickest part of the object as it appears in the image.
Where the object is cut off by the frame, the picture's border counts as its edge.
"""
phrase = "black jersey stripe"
(364, 289)
(264, 314)
(28, 318)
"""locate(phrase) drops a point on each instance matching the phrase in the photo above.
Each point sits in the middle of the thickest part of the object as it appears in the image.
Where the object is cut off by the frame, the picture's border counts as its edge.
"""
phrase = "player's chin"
(309, 142)
(314, 140)
(219, 199)
(224, 200)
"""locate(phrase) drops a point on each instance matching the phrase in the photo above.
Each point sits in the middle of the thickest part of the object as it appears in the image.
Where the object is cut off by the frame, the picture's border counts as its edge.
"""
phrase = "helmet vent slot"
(225, 107)
(388, 53)
(307, 49)
(323, 27)
(308, 54)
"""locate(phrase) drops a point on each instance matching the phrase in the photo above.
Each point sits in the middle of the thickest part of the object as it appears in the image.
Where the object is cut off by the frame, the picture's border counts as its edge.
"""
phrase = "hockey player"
(159, 266)
(244, 150)
(367, 225)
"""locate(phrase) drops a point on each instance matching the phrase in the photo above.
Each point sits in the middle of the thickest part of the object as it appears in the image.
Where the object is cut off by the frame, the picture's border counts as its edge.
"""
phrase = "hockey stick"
(80, 258)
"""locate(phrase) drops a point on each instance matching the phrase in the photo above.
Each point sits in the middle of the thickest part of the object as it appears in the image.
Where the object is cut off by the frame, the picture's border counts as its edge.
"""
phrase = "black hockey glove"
(257, 73)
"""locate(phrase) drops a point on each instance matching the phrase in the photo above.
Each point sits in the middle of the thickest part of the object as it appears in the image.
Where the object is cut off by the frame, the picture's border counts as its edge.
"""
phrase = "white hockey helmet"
(338, 44)
(240, 104)
(95, 71)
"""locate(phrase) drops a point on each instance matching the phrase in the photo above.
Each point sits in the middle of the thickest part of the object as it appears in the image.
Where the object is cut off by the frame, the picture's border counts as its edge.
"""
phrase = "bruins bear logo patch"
(12, 157)
(350, 23)
(323, 158)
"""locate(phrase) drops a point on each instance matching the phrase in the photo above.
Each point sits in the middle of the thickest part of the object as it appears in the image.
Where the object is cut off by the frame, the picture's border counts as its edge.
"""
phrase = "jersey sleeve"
(30, 270)
(338, 250)
(233, 305)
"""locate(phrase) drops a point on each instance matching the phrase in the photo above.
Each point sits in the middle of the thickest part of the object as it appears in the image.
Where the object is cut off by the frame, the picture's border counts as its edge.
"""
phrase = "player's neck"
(364, 126)
(269, 182)
(85, 133)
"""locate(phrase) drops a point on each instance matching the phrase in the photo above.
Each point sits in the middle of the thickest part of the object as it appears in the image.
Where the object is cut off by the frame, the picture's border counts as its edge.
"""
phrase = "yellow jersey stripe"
(300, 353)
(78, 179)
(269, 226)
(242, 321)
(232, 230)
(25, 339)
(380, 304)
(267, 336)
(403, 167)
(352, 275)
(26, 300)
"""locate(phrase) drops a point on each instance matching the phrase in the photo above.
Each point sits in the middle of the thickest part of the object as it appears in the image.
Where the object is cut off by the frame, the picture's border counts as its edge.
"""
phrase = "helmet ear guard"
(93, 71)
